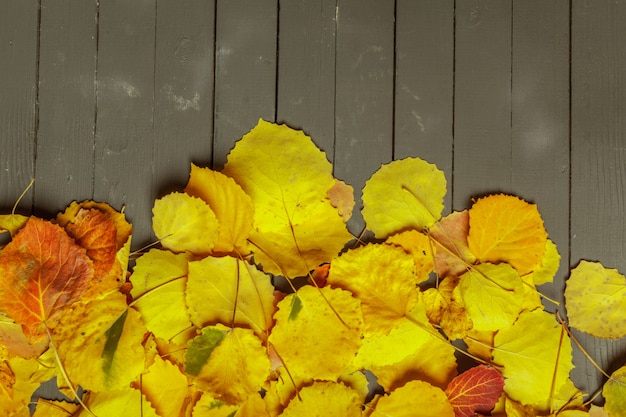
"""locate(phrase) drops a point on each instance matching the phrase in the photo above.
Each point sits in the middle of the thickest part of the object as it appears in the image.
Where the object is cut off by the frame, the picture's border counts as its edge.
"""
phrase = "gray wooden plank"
(245, 70)
(540, 119)
(18, 88)
(306, 69)
(482, 107)
(65, 142)
(125, 98)
(364, 93)
(424, 83)
(183, 107)
(598, 157)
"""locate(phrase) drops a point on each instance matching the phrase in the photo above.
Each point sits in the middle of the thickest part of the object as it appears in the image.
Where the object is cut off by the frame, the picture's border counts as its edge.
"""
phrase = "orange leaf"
(476, 390)
(41, 270)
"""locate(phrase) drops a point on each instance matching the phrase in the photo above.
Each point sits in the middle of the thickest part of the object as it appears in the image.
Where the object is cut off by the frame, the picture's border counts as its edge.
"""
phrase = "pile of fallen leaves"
(259, 302)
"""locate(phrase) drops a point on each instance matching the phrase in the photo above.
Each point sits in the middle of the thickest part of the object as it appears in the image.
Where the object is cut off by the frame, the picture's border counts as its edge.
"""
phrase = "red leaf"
(41, 270)
(476, 390)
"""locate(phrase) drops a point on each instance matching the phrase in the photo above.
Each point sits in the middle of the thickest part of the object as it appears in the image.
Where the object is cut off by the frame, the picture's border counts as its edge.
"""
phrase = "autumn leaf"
(42, 270)
(159, 283)
(122, 403)
(415, 399)
(324, 398)
(418, 245)
(12, 223)
(165, 387)
(208, 406)
(317, 332)
(184, 223)
(229, 291)
(595, 298)
(536, 357)
(404, 194)
(231, 205)
(19, 377)
(230, 363)
(383, 278)
(505, 228)
(296, 225)
(476, 390)
(449, 237)
(614, 392)
(549, 265)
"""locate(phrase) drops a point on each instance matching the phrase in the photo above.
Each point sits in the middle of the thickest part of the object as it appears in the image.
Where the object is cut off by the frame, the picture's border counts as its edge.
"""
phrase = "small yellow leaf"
(383, 278)
(229, 291)
(229, 202)
(166, 387)
(207, 406)
(595, 298)
(404, 194)
(505, 228)
(159, 282)
(317, 332)
(531, 351)
(12, 223)
(492, 295)
(185, 224)
(296, 225)
(549, 265)
(415, 399)
(614, 392)
(324, 399)
(418, 245)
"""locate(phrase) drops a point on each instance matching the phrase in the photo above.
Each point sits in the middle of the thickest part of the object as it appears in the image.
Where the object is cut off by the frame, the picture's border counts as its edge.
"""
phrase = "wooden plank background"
(111, 100)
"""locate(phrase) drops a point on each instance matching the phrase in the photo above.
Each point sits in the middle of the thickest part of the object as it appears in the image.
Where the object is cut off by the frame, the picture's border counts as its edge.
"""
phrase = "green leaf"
(200, 349)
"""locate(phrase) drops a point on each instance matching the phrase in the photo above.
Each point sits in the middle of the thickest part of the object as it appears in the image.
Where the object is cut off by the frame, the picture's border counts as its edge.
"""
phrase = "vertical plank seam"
(336, 35)
(453, 120)
(214, 84)
(154, 94)
(569, 134)
(277, 61)
(95, 93)
(36, 107)
(512, 45)
(394, 80)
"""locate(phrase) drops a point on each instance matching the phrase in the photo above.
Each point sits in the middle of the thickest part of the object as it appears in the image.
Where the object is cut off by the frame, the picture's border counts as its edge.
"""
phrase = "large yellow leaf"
(229, 363)
(100, 343)
(404, 194)
(229, 202)
(229, 291)
(492, 295)
(159, 282)
(504, 228)
(413, 349)
(324, 399)
(536, 355)
(595, 298)
(296, 225)
(185, 224)
(383, 278)
(317, 332)
(166, 387)
(415, 399)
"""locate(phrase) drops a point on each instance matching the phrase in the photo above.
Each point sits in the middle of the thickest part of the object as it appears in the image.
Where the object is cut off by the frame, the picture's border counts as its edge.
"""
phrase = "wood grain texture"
(125, 99)
(482, 106)
(598, 147)
(540, 119)
(245, 70)
(306, 69)
(364, 93)
(67, 104)
(183, 90)
(424, 83)
(18, 93)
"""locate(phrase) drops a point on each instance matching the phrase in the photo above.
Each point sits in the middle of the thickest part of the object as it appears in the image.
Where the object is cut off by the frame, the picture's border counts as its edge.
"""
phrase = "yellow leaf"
(229, 363)
(324, 399)
(549, 265)
(492, 295)
(505, 228)
(12, 223)
(229, 202)
(313, 339)
(19, 378)
(50, 408)
(412, 350)
(207, 406)
(229, 291)
(415, 399)
(614, 392)
(530, 351)
(100, 343)
(166, 387)
(122, 403)
(185, 224)
(418, 245)
(159, 282)
(595, 298)
(449, 237)
(296, 226)
(401, 195)
(383, 278)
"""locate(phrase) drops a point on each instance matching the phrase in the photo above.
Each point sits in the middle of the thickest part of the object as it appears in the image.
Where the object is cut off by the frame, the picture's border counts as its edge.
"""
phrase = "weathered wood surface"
(112, 100)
